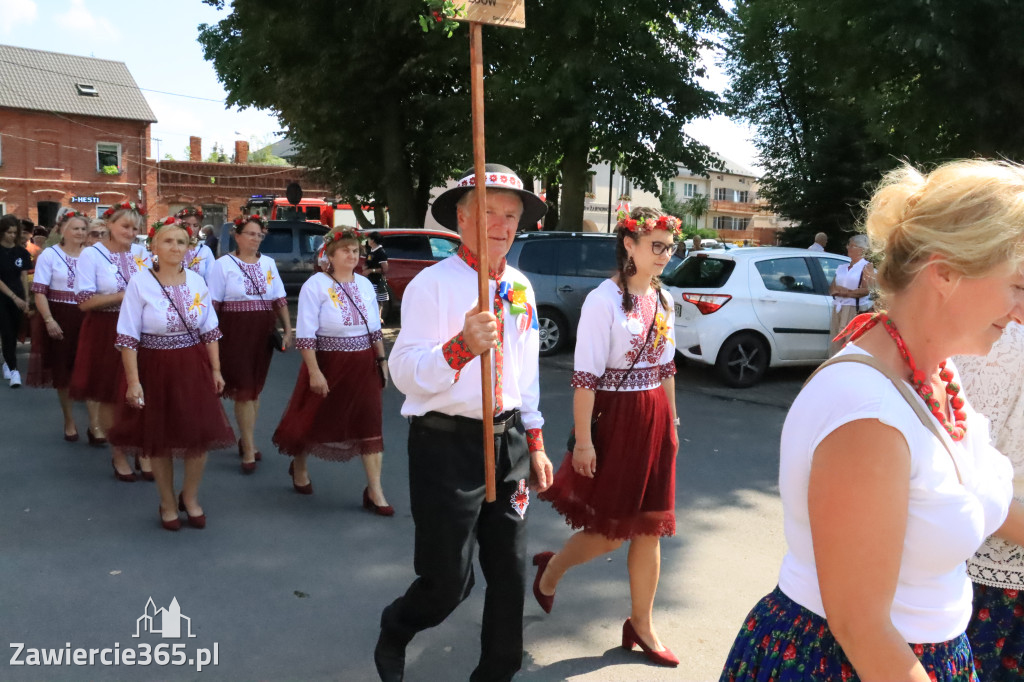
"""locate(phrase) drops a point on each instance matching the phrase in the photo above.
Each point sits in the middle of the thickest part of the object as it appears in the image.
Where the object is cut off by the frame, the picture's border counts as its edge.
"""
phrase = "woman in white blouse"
(335, 410)
(167, 335)
(199, 258)
(850, 289)
(995, 385)
(55, 329)
(249, 298)
(104, 270)
(618, 483)
(888, 481)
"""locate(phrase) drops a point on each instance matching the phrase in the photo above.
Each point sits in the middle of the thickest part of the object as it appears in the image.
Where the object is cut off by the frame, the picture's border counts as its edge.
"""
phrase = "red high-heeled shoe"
(241, 452)
(95, 441)
(168, 525)
(300, 489)
(546, 601)
(124, 478)
(379, 510)
(663, 657)
(146, 475)
(194, 521)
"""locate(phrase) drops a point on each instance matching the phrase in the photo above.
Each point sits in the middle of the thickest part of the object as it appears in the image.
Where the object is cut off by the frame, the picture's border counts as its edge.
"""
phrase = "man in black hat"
(435, 363)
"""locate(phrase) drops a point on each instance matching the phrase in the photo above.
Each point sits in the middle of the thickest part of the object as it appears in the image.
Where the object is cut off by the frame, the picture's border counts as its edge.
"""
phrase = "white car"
(748, 309)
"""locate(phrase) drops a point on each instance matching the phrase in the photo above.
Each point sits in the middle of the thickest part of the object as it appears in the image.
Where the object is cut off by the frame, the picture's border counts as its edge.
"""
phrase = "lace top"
(994, 386)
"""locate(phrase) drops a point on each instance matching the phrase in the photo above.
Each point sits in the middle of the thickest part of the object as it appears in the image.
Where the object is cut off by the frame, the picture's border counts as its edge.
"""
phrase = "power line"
(90, 79)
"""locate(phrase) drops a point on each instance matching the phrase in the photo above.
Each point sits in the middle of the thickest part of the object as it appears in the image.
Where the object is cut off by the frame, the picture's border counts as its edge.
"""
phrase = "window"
(100, 210)
(727, 222)
(108, 154)
(312, 213)
(829, 266)
(3, 208)
(701, 272)
(596, 257)
(290, 213)
(689, 190)
(786, 274)
(408, 247)
(720, 194)
(441, 248)
(277, 241)
(742, 197)
(87, 90)
(690, 221)
(538, 258)
(310, 241)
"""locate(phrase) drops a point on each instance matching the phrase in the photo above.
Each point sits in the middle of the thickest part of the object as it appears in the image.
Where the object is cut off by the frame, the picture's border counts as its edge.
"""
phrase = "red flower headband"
(69, 215)
(190, 211)
(168, 221)
(341, 233)
(124, 206)
(639, 225)
(241, 220)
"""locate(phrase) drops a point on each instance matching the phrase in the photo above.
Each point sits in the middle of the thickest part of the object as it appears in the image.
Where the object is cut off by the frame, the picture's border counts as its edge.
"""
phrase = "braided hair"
(622, 256)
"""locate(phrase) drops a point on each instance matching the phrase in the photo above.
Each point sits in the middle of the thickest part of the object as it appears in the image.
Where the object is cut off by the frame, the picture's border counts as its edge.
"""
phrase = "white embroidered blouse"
(609, 339)
(199, 260)
(994, 385)
(237, 286)
(55, 275)
(102, 272)
(179, 318)
(327, 319)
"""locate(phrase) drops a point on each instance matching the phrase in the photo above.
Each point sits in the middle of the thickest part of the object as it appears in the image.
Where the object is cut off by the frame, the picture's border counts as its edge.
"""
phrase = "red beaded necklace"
(918, 379)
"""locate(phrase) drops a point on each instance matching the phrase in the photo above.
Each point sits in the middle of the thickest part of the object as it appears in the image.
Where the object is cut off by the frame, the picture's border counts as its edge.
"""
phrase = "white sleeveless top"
(848, 276)
(946, 523)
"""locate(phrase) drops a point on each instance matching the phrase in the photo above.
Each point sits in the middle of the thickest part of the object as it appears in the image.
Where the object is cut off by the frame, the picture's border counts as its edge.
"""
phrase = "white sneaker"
(7, 372)
(15, 379)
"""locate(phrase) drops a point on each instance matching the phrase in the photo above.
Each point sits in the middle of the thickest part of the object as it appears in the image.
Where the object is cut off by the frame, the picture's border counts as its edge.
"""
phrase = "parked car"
(563, 268)
(410, 250)
(745, 310)
(293, 244)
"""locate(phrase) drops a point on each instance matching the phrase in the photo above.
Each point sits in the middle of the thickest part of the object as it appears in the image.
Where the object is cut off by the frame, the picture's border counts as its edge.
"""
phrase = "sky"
(159, 46)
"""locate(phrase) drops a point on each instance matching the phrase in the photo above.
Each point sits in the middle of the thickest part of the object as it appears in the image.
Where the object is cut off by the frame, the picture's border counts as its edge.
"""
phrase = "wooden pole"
(476, 73)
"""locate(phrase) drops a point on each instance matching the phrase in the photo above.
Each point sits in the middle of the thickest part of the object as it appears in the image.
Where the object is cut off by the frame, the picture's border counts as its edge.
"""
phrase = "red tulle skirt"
(98, 369)
(182, 415)
(343, 425)
(634, 490)
(51, 361)
(245, 352)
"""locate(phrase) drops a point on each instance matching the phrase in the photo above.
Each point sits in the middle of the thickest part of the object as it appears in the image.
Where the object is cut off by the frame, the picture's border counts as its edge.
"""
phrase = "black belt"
(506, 421)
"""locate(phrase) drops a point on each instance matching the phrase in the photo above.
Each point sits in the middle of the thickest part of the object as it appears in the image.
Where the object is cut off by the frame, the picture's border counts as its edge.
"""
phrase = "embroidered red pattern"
(182, 298)
(58, 296)
(456, 352)
(345, 344)
(255, 279)
(640, 379)
(668, 370)
(125, 341)
(644, 310)
(38, 288)
(584, 380)
(534, 440)
(350, 318)
(244, 306)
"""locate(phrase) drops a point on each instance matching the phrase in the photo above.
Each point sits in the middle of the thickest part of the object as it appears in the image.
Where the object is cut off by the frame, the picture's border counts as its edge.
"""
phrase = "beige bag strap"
(908, 394)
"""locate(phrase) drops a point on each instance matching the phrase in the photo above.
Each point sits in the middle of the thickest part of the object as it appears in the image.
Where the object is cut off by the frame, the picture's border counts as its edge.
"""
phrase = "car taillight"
(707, 303)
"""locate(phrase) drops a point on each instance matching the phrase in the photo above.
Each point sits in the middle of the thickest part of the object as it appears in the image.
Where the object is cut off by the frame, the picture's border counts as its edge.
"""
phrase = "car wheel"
(742, 360)
(554, 331)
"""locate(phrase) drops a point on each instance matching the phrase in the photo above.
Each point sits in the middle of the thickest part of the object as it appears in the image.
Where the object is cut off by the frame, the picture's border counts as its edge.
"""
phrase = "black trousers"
(446, 485)
(10, 325)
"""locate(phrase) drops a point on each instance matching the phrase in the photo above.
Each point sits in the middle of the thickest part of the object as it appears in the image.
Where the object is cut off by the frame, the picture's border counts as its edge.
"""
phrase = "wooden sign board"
(509, 13)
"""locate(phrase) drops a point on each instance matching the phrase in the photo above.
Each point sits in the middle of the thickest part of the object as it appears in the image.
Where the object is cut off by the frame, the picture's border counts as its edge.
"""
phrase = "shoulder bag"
(380, 370)
(191, 332)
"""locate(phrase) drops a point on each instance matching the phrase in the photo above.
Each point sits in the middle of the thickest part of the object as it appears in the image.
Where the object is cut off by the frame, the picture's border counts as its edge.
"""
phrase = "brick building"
(75, 131)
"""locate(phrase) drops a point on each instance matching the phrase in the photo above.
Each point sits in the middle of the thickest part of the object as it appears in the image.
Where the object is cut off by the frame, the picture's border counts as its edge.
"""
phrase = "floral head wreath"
(190, 212)
(160, 224)
(340, 234)
(124, 206)
(640, 225)
(69, 215)
(241, 221)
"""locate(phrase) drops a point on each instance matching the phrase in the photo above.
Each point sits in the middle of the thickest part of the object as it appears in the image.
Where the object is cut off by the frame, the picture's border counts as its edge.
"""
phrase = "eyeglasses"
(256, 235)
(97, 235)
(659, 248)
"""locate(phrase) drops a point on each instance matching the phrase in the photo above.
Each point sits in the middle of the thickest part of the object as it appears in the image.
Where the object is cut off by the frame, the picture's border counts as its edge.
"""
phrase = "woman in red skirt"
(335, 410)
(167, 335)
(55, 328)
(618, 483)
(249, 298)
(104, 270)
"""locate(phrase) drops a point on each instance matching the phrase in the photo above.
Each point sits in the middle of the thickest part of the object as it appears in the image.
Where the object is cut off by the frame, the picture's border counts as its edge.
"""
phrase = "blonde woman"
(888, 481)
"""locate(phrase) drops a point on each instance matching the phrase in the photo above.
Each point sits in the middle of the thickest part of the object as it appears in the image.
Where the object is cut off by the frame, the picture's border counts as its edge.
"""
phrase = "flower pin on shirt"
(661, 329)
(140, 262)
(270, 277)
(333, 294)
(196, 260)
(197, 303)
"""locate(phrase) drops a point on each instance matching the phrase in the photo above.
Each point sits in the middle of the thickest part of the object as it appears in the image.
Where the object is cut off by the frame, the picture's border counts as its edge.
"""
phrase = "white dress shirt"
(237, 286)
(55, 275)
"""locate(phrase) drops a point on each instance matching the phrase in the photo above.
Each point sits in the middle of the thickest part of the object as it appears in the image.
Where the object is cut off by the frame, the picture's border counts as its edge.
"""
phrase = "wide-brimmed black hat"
(498, 177)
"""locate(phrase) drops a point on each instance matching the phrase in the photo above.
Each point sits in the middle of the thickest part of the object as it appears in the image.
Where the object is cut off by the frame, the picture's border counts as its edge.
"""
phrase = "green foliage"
(441, 15)
(840, 96)
(110, 170)
(217, 155)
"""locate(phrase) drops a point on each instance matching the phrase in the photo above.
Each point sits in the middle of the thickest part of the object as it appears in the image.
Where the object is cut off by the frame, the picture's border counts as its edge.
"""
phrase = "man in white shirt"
(820, 240)
(435, 363)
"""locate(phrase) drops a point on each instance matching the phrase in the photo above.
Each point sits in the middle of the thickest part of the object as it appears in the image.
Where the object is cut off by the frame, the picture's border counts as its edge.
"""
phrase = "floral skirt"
(634, 490)
(784, 642)
(996, 632)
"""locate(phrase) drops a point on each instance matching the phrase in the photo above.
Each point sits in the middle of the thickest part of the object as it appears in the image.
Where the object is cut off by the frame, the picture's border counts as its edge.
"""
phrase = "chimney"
(195, 148)
(241, 151)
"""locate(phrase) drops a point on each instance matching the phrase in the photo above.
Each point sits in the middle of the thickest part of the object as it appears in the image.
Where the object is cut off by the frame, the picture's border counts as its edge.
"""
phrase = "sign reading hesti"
(511, 13)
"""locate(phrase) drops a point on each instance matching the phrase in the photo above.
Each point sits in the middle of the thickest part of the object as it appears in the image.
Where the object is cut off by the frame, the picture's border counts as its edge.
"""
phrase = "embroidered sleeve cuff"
(125, 341)
(39, 288)
(211, 336)
(457, 353)
(534, 439)
(668, 370)
(83, 296)
(376, 336)
(306, 344)
(584, 380)
(280, 303)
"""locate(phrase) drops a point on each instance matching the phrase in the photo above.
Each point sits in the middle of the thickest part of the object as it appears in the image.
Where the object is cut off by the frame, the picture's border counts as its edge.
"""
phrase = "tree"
(217, 154)
(840, 96)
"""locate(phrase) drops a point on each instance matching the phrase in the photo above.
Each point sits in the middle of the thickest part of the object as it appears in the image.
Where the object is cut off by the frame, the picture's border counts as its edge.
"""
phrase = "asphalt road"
(288, 587)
